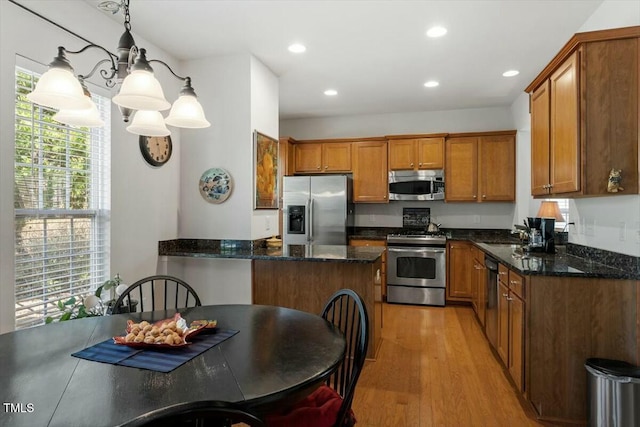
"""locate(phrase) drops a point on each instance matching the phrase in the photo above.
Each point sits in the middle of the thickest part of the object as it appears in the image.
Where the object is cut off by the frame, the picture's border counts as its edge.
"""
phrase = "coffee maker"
(541, 235)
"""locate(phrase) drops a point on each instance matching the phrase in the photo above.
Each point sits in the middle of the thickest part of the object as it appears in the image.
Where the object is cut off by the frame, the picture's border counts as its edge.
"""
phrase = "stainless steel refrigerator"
(317, 209)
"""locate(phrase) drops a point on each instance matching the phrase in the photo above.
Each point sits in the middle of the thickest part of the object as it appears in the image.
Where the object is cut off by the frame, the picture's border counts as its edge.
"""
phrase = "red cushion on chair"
(319, 409)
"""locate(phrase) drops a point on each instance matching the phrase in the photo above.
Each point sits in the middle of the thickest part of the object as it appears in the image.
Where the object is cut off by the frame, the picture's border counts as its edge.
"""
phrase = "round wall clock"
(215, 185)
(156, 150)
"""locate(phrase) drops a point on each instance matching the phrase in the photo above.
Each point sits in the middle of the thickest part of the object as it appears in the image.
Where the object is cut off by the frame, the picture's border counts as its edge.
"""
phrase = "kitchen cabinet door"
(516, 340)
(540, 127)
(402, 154)
(497, 168)
(459, 266)
(336, 157)
(461, 169)
(370, 178)
(502, 345)
(308, 158)
(564, 138)
(480, 279)
(430, 153)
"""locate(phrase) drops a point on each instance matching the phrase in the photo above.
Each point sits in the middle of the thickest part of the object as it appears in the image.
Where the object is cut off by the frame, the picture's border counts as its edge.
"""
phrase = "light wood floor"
(435, 368)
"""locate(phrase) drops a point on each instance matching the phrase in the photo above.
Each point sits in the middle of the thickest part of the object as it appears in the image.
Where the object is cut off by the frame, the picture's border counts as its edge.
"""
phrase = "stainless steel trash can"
(613, 389)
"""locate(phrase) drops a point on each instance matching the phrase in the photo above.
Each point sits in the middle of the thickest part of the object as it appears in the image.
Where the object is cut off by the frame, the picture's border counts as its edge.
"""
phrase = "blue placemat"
(161, 360)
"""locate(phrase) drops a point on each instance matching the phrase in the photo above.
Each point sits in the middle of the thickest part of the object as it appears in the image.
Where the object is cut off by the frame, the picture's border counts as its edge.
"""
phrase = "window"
(61, 205)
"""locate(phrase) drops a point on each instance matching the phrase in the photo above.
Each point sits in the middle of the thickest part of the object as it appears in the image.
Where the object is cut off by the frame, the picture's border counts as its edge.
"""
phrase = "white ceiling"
(374, 53)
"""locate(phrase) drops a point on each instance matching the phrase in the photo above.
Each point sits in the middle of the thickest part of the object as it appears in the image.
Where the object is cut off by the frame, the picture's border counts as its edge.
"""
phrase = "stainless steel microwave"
(416, 185)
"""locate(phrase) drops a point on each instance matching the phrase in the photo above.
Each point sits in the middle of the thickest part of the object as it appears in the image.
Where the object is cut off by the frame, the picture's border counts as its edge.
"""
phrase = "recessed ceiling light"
(436, 32)
(331, 92)
(511, 73)
(431, 83)
(297, 48)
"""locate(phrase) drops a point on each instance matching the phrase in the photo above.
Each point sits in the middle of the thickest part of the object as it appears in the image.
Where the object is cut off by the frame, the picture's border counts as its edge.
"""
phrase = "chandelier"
(129, 73)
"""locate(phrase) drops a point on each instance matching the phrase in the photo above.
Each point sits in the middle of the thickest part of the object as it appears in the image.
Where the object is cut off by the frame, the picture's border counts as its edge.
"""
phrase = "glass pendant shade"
(58, 88)
(187, 112)
(141, 91)
(149, 123)
(89, 117)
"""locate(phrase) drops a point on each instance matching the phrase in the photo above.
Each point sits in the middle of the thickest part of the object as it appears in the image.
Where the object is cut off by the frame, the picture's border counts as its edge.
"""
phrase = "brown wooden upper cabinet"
(370, 179)
(406, 153)
(584, 116)
(322, 157)
(480, 167)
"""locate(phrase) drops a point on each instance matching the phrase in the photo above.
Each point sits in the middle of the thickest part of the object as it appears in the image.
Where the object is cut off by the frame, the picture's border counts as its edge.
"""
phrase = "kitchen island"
(300, 276)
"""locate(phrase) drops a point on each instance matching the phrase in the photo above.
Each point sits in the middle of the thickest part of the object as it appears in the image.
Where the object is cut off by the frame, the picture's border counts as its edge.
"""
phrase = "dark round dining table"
(278, 356)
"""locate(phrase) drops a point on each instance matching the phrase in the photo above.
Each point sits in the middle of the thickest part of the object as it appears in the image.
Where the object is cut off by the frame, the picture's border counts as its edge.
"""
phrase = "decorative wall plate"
(215, 185)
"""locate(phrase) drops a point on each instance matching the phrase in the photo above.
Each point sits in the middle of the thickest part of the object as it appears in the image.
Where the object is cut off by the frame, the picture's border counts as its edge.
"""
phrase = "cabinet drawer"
(516, 284)
(503, 274)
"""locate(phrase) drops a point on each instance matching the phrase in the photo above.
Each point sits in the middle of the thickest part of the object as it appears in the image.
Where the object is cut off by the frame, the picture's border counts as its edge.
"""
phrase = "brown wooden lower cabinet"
(307, 286)
(459, 267)
(568, 321)
(502, 343)
(548, 326)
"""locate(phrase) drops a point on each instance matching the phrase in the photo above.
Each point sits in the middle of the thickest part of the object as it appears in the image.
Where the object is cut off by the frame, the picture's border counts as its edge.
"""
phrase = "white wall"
(144, 199)
(456, 215)
(471, 120)
(239, 95)
(264, 119)
(224, 91)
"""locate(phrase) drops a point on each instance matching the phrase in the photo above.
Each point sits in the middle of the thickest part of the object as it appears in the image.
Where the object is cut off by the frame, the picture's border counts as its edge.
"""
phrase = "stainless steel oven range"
(416, 268)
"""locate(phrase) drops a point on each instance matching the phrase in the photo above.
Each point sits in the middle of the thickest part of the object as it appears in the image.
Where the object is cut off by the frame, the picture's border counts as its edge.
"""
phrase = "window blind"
(61, 206)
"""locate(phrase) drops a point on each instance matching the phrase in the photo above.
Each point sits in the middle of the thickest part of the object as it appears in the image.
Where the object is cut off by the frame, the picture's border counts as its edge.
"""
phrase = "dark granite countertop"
(242, 249)
(570, 261)
(561, 263)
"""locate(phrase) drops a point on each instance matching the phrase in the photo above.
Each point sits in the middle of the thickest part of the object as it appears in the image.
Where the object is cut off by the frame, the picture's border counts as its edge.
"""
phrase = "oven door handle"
(417, 250)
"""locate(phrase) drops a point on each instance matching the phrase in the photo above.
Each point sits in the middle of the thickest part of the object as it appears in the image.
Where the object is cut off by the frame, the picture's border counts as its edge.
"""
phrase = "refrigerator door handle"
(310, 210)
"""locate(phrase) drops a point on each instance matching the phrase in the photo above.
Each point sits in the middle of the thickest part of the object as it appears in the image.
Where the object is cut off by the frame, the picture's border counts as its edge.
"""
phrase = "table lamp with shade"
(549, 213)
(550, 209)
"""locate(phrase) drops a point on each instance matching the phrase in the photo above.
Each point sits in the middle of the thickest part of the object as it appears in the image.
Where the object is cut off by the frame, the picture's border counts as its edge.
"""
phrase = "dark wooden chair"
(155, 293)
(345, 309)
(197, 414)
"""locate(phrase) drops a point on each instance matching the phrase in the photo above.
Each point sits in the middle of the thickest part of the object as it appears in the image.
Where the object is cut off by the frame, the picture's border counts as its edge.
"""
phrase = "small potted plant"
(92, 305)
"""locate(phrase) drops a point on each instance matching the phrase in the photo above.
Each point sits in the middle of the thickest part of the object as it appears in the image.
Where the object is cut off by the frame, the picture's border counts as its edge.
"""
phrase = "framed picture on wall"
(265, 172)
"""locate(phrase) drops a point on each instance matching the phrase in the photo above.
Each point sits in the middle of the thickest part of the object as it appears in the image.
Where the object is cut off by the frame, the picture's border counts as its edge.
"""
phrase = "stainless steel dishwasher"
(491, 315)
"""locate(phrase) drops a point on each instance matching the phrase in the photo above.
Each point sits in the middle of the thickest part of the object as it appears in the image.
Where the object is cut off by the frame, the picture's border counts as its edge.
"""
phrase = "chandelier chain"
(127, 16)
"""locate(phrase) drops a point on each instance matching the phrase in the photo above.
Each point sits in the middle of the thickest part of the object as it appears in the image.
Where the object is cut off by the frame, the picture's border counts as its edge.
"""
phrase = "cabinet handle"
(411, 165)
(384, 197)
(420, 164)
(502, 273)
(484, 196)
(475, 197)
(509, 299)
(505, 295)
(318, 167)
(326, 167)
(513, 282)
